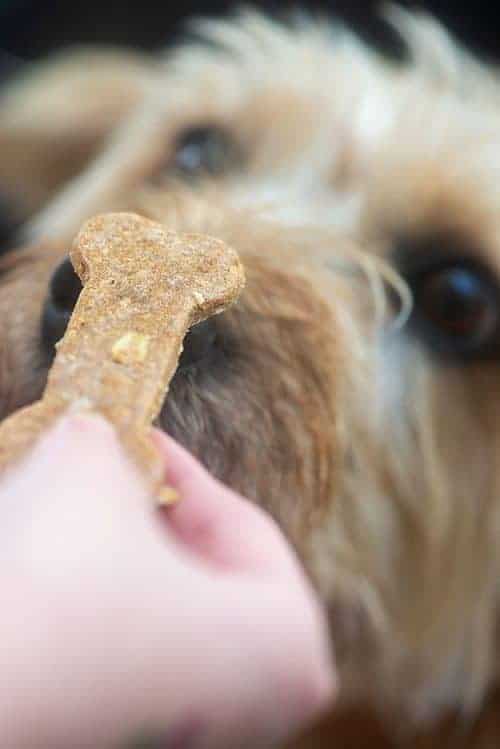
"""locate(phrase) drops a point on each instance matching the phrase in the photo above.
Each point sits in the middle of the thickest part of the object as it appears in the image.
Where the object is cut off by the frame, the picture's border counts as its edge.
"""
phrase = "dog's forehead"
(300, 93)
(435, 175)
(330, 134)
(289, 95)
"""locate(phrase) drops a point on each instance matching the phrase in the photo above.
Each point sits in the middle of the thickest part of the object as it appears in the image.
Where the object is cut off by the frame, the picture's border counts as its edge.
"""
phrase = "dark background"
(29, 29)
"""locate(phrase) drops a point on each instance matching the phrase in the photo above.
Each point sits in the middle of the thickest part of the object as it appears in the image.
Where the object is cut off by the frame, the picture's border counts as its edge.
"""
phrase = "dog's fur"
(377, 456)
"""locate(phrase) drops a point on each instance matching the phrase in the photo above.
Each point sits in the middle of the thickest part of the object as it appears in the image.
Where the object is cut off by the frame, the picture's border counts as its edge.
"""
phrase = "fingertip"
(181, 468)
(217, 522)
(168, 445)
(78, 440)
(85, 424)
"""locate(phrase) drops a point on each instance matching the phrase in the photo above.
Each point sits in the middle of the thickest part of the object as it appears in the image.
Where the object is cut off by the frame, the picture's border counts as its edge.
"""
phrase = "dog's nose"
(8, 224)
(64, 290)
(198, 344)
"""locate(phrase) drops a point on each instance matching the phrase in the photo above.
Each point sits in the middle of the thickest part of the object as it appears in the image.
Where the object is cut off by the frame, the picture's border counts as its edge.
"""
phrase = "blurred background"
(30, 29)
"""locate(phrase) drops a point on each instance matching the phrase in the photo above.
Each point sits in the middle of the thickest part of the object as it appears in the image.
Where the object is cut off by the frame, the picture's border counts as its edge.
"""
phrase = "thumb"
(76, 483)
(219, 525)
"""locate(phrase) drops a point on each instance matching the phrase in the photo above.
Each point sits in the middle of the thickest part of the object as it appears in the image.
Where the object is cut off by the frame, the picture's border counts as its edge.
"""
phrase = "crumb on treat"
(130, 348)
(167, 496)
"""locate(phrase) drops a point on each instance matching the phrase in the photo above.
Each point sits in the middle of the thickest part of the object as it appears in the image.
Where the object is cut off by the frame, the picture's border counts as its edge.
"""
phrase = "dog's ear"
(55, 115)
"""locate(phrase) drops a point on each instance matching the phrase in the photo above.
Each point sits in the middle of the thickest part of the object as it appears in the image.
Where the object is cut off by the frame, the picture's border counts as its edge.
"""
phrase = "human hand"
(197, 624)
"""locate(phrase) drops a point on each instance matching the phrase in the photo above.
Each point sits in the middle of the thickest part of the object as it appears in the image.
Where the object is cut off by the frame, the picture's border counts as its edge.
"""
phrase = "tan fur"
(379, 461)
(57, 115)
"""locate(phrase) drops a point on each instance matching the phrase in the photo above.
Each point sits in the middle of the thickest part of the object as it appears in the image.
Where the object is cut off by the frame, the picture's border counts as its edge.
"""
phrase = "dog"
(352, 390)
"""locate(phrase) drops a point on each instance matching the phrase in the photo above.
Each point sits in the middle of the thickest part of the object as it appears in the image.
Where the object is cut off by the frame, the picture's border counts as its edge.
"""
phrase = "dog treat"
(143, 288)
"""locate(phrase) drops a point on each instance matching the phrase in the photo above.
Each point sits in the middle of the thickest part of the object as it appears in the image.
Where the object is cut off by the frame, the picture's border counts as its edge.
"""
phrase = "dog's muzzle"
(63, 293)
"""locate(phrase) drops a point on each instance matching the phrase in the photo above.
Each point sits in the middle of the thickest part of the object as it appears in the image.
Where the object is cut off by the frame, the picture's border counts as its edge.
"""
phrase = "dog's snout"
(64, 290)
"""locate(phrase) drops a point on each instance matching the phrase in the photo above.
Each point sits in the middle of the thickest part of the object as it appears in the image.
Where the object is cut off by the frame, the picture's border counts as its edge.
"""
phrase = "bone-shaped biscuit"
(143, 288)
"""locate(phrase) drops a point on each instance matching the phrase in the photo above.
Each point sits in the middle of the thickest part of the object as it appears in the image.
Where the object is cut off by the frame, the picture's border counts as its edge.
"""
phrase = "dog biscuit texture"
(143, 288)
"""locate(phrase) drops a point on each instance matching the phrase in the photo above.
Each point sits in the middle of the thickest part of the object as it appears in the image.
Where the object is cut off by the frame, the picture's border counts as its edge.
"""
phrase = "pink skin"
(113, 623)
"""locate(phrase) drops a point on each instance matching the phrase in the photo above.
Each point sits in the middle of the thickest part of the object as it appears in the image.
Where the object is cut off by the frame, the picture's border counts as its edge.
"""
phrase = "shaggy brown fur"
(319, 398)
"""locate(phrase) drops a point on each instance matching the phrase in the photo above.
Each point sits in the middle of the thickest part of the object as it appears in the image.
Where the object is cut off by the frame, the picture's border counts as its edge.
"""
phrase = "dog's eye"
(204, 150)
(456, 306)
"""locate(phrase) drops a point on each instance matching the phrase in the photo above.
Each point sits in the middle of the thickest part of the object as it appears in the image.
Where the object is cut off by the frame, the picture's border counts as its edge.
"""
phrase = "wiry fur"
(378, 460)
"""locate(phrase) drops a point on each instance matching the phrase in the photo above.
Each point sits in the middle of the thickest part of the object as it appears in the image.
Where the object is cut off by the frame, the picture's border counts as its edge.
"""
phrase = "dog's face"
(353, 390)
